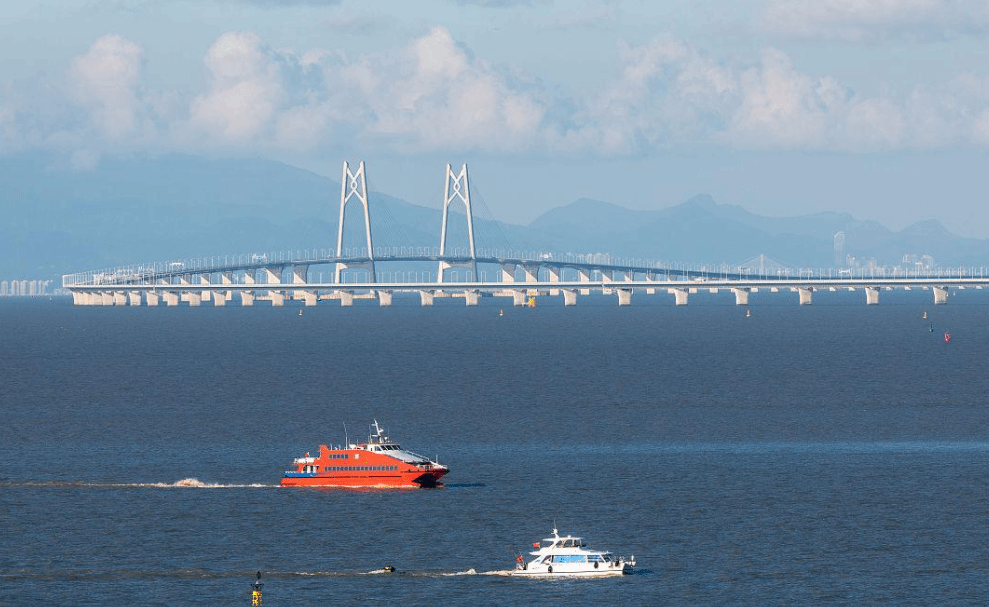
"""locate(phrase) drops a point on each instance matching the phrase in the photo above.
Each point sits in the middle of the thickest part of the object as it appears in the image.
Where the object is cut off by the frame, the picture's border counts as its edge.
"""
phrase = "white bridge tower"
(457, 187)
(354, 185)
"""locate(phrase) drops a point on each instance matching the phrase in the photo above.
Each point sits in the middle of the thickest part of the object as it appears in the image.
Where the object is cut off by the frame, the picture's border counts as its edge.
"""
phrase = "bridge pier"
(119, 298)
(426, 298)
(569, 297)
(554, 276)
(680, 295)
(741, 296)
(940, 296)
(151, 297)
(346, 298)
(134, 298)
(624, 297)
(584, 275)
(806, 295)
(518, 298)
(171, 298)
(246, 298)
(309, 297)
(472, 297)
(219, 299)
(204, 281)
(872, 296)
(384, 298)
(193, 297)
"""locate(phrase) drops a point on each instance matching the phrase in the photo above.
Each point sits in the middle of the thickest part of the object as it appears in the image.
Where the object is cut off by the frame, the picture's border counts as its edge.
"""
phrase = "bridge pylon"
(457, 187)
(354, 185)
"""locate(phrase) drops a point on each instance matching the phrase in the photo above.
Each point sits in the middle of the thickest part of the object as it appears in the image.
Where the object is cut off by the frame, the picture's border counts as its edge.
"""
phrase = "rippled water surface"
(833, 454)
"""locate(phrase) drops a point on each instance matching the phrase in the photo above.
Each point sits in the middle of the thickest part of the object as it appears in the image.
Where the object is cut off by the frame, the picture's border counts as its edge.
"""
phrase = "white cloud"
(244, 91)
(876, 20)
(433, 94)
(105, 80)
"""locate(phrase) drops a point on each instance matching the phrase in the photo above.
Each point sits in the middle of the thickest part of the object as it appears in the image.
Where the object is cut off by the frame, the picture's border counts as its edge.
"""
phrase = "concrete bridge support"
(119, 298)
(624, 297)
(171, 298)
(206, 295)
(518, 298)
(554, 276)
(219, 298)
(472, 297)
(346, 298)
(680, 295)
(741, 296)
(308, 297)
(806, 295)
(531, 271)
(151, 297)
(300, 274)
(508, 272)
(872, 296)
(569, 297)
(426, 298)
(940, 296)
(246, 298)
(584, 276)
(277, 298)
(134, 298)
(384, 298)
(273, 276)
(193, 297)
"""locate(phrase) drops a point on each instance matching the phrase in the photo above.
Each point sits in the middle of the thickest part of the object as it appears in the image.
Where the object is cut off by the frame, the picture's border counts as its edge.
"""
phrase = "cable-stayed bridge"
(365, 272)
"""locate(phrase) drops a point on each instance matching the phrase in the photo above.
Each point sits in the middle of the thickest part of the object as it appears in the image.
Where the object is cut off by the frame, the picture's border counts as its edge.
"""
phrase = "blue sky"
(876, 108)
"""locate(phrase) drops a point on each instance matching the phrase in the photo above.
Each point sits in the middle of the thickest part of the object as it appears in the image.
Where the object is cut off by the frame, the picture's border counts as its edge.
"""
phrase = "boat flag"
(535, 544)
(519, 559)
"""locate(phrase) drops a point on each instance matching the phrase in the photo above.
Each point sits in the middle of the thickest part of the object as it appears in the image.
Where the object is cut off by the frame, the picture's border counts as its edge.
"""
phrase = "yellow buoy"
(256, 592)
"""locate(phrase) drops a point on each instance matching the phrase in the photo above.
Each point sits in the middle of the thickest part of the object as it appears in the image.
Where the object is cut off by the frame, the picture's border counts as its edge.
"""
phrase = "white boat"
(569, 556)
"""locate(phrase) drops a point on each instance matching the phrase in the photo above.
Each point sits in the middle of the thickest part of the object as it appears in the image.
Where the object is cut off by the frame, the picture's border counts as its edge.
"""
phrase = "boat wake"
(185, 483)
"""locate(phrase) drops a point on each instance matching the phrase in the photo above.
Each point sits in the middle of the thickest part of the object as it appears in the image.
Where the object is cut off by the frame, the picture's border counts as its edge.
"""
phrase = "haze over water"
(832, 454)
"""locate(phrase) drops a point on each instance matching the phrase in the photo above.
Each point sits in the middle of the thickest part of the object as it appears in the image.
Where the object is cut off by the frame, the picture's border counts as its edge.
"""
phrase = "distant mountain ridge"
(135, 210)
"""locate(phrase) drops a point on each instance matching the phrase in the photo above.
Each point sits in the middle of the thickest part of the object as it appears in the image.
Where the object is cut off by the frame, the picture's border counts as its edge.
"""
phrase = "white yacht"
(569, 556)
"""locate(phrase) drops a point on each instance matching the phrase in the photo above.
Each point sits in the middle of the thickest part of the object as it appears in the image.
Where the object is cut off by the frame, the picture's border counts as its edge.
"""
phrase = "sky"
(879, 108)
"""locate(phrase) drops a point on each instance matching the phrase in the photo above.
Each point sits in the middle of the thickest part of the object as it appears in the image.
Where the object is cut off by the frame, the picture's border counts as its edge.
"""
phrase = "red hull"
(372, 464)
(411, 479)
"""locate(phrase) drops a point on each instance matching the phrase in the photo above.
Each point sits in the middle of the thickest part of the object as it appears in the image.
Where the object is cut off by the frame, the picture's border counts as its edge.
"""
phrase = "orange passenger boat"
(377, 463)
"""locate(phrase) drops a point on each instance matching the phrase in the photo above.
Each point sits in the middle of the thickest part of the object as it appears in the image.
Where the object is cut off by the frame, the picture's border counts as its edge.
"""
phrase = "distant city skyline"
(783, 107)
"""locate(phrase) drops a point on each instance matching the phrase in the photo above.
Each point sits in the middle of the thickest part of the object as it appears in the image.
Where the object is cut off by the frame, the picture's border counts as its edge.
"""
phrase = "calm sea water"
(833, 454)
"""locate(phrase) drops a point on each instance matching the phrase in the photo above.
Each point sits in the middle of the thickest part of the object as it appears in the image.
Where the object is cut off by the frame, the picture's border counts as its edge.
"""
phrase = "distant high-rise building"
(4, 289)
(839, 248)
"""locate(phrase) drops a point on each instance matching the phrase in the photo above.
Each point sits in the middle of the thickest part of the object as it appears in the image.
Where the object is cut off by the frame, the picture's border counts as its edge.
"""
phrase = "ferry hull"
(412, 479)
(562, 571)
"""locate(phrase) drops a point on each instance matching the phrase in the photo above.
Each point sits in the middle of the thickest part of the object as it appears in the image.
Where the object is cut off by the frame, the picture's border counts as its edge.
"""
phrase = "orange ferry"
(376, 463)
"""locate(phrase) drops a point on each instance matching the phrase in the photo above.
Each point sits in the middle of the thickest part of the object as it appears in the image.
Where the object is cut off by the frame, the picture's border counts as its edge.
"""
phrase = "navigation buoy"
(300, 312)
(256, 592)
(947, 338)
(501, 312)
(925, 314)
(748, 314)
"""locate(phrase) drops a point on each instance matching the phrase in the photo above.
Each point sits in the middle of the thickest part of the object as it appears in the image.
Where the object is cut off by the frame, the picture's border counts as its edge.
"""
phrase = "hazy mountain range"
(136, 210)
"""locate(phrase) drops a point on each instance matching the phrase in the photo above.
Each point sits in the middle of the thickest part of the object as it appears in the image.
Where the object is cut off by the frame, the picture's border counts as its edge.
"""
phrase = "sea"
(830, 454)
